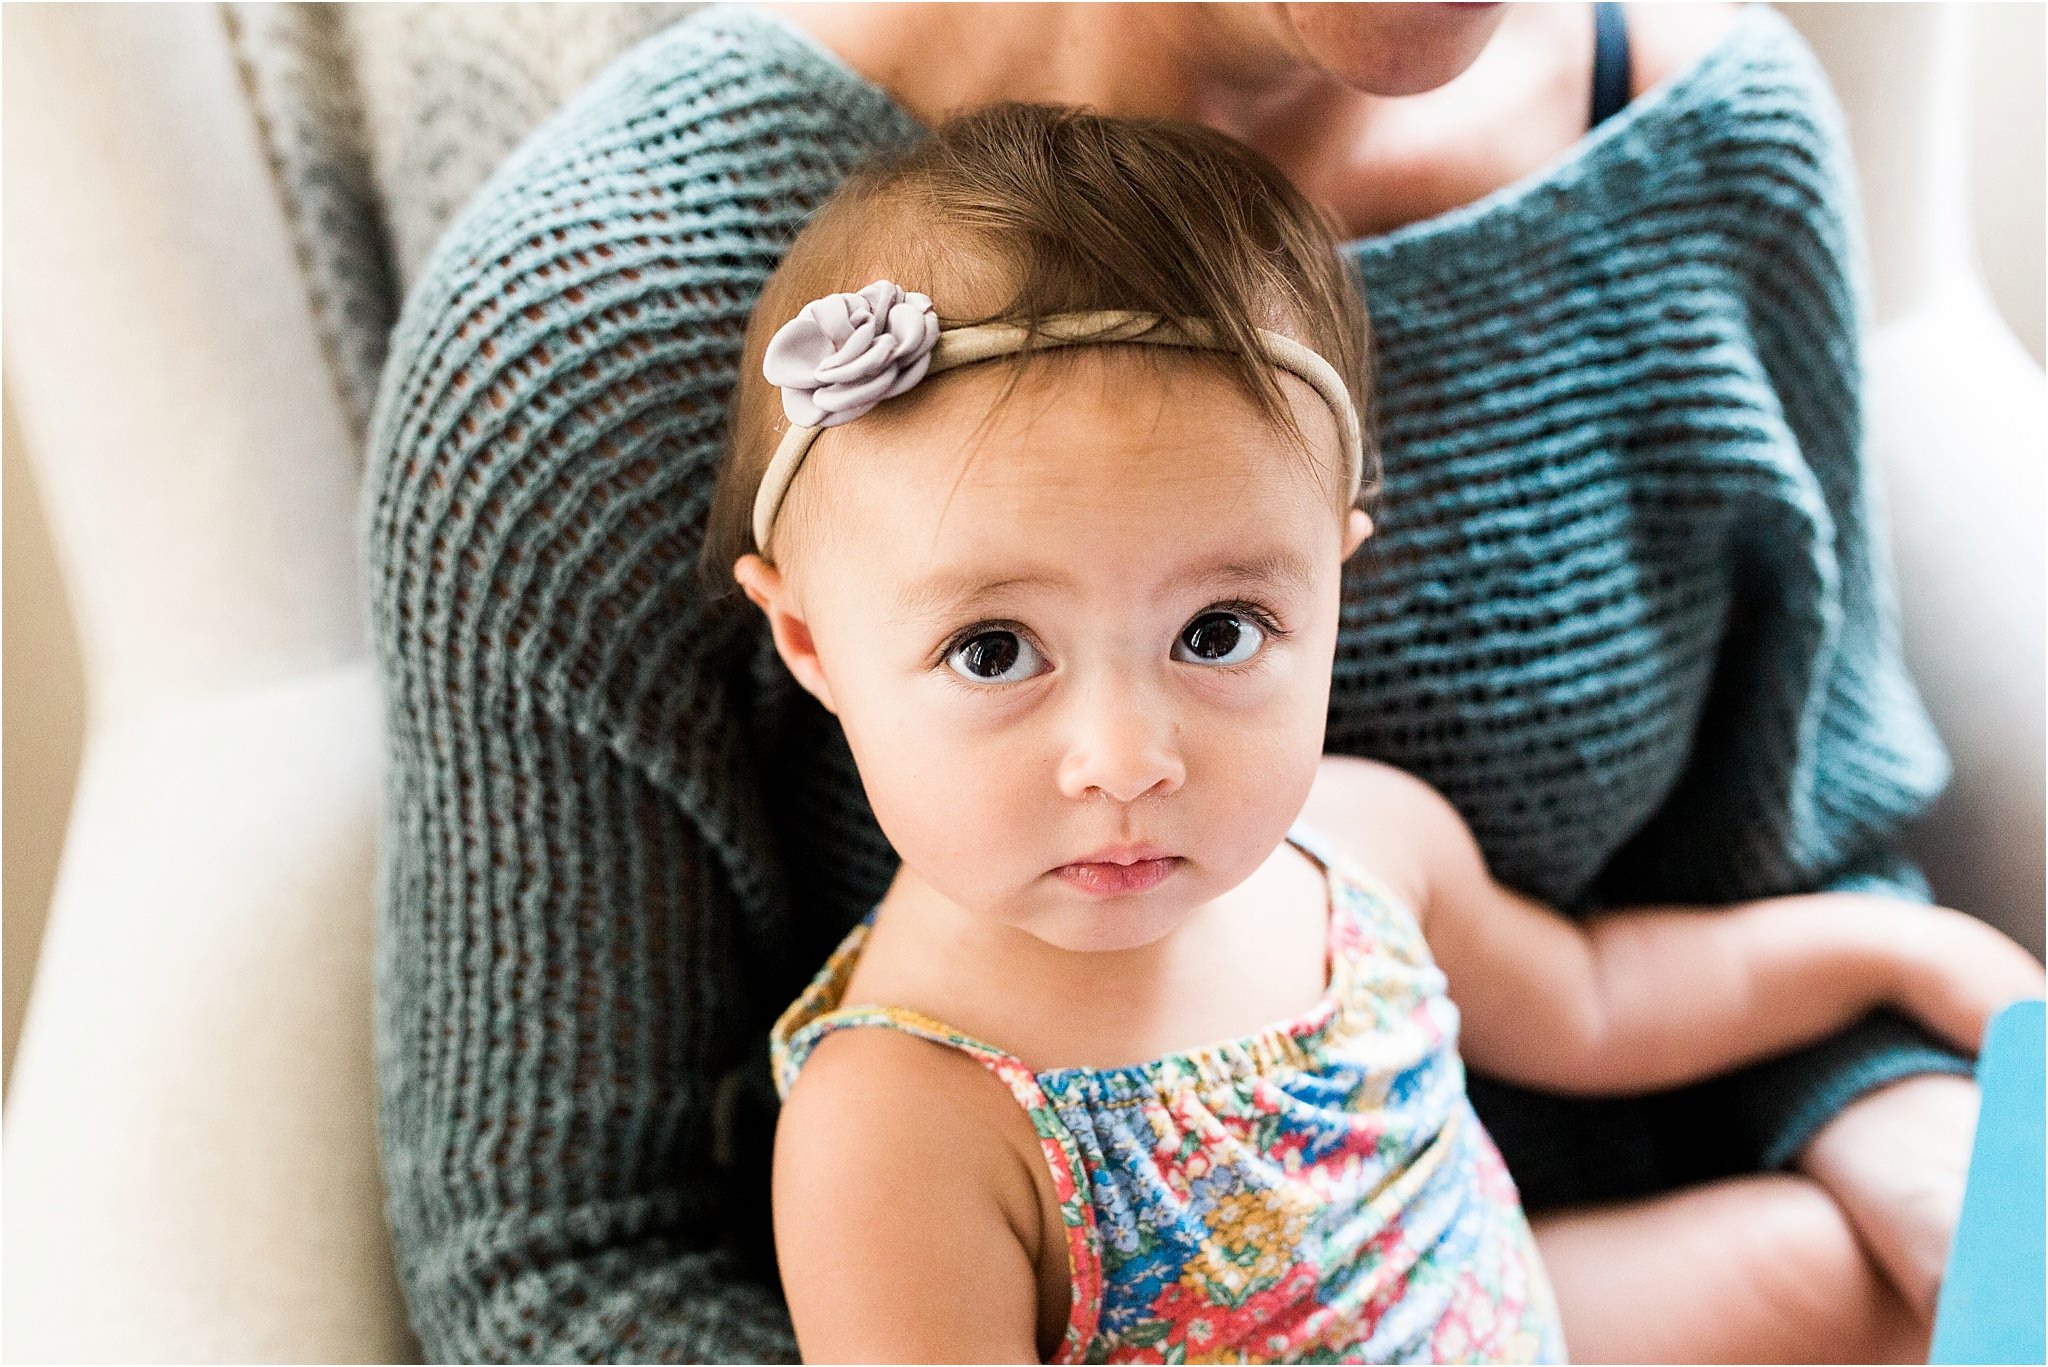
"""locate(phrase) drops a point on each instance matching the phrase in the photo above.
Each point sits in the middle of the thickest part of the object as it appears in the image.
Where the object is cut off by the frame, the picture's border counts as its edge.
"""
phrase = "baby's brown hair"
(1017, 212)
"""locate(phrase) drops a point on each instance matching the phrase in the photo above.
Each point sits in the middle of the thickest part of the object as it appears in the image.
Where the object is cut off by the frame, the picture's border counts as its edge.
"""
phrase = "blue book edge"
(1993, 1306)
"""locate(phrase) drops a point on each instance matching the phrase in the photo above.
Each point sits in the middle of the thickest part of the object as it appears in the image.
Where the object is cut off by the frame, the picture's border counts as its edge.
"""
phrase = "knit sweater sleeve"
(576, 873)
(1813, 750)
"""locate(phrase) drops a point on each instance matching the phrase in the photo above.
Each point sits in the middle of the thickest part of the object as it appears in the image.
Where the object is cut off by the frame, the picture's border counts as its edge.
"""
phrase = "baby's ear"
(1357, 527)
(764, 584)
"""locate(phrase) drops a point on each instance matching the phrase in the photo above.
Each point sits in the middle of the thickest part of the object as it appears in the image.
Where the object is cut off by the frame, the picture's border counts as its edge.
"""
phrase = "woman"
(1618, 372)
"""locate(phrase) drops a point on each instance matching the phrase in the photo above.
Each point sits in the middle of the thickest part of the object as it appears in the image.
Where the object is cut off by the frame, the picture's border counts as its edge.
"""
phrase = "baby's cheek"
(1263, 773)
(945, 804)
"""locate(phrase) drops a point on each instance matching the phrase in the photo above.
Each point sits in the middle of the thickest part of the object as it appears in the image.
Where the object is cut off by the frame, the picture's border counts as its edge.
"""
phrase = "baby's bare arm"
(1647, 998)
(903, 1230)
(1687, 992)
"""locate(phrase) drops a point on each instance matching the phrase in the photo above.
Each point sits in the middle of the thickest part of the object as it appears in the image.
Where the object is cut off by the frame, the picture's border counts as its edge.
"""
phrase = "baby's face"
(1112, 625)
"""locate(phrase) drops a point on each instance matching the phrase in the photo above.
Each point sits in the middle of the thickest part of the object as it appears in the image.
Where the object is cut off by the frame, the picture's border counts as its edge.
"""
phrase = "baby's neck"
(1263, 941)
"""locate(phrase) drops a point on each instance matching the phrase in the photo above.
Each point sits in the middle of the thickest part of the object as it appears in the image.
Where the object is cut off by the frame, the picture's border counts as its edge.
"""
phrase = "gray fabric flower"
(845, 353)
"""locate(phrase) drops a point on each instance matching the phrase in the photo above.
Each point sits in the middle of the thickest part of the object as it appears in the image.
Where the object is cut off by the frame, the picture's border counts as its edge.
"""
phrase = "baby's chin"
(1083, 922)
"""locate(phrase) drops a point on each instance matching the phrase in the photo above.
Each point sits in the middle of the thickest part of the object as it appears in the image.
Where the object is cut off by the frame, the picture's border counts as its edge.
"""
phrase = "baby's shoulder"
(896, 1170)
(877, 1104)
(1382, 818)
(878, 1068)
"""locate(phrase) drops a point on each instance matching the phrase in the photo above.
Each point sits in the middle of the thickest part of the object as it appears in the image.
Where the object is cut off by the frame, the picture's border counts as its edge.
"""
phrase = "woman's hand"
(1895, 1160)
(1951, 971)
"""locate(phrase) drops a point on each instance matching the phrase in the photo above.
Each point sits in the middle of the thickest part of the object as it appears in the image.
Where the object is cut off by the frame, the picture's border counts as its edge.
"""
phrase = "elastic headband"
(845, 353)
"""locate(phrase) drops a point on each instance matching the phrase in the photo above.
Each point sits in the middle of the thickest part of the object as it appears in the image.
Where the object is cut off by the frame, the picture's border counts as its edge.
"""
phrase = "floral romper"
(1320, 1191)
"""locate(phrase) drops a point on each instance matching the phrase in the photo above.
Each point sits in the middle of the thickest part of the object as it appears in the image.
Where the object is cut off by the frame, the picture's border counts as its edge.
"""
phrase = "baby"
(1045, 461)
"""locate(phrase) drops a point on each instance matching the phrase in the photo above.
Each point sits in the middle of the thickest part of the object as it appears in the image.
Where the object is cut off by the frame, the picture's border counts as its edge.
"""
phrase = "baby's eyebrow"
(943, 595)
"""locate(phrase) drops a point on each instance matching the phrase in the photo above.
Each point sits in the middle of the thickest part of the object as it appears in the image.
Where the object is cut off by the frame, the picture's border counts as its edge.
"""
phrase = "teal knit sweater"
(1626, 609)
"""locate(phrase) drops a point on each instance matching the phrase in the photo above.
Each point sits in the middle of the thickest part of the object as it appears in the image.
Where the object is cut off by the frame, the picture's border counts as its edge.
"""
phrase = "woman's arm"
(905, 1231)
(1812, 753)
(586, 921)
(1645, 998)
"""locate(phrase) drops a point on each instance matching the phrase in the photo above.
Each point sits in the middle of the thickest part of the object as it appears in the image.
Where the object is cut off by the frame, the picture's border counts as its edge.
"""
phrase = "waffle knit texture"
(1625, 608)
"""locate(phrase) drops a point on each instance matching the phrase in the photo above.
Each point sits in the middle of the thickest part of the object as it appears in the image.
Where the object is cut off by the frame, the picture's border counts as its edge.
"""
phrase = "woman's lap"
(1567, 1152)
(1761, 1268)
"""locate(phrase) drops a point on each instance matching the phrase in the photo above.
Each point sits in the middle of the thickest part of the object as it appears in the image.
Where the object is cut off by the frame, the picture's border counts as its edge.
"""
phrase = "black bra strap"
(1610, 61)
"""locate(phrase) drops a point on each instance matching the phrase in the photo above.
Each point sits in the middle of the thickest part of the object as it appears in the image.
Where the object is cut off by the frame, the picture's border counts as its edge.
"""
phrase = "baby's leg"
(1762, 1268)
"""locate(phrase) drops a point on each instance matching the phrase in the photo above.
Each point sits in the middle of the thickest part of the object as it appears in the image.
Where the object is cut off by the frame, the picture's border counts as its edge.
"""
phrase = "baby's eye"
(1222, 638)
(991, 656)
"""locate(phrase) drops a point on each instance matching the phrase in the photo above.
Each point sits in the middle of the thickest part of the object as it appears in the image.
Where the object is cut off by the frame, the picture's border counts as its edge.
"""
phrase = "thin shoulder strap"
(1313, 843)
(792, 1054)
(1610, 61)
(1340, 866)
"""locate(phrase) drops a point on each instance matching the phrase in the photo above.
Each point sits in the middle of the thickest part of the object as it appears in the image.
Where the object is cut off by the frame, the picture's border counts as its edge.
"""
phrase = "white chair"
(191, 1162)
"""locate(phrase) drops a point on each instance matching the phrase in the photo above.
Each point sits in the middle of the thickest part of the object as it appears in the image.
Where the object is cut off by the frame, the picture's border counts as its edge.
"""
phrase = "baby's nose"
(1123, 743)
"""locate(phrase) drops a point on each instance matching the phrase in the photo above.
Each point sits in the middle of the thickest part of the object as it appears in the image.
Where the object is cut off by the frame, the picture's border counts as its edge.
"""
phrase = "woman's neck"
(1223, 65)
(1372, 162)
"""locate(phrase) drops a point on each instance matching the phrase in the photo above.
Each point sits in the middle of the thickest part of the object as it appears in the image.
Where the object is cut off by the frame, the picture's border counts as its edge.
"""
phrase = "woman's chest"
(1375, 164)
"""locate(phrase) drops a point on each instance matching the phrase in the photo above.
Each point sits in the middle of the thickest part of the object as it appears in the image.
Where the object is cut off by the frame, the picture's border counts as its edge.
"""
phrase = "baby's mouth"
(1110, 879)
